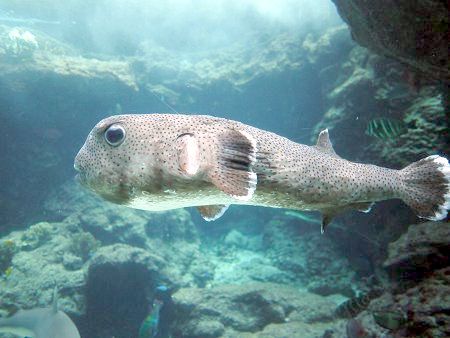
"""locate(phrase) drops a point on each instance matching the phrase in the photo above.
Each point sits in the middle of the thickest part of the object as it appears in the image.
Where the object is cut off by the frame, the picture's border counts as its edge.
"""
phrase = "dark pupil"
(114, 134)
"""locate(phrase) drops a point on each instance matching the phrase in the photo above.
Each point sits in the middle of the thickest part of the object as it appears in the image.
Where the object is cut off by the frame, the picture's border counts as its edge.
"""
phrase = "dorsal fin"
(324, 143)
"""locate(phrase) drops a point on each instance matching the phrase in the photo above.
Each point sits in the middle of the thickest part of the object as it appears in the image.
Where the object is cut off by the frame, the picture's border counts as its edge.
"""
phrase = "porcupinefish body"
(166, 161)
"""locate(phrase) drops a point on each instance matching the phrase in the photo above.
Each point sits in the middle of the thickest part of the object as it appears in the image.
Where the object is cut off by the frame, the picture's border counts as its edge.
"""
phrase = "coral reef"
(414, 33)
(251, 274)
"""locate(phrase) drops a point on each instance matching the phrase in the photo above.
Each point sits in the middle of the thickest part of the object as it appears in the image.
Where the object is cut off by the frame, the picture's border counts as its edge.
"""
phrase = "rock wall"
(418, 288)
(413, 32)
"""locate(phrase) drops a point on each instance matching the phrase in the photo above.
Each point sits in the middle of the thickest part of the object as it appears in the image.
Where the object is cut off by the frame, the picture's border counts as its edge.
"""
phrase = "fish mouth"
(76, 166)
(80, 176)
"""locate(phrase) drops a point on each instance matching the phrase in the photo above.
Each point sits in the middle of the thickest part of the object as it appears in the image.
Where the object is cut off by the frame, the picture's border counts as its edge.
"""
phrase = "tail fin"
(427, 187)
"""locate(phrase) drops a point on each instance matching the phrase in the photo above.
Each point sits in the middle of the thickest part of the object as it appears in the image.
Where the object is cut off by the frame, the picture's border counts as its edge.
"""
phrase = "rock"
(118, 254)
(42, 261)
(426, 305)
(36, 235)
(7, 251)
(298, 329)
(327, 288)
(333, 45)
(237, 239)
(119, 280)
(422, 249)
(418, 267)
(414, 33)
(254, 309)
(205, 329)
(245, 266)
(308, 258)
(72, 262)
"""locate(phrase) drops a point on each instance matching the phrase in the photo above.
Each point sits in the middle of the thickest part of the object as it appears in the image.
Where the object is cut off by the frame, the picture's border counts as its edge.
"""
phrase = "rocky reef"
(107, 260)
(253, 310)
(412, 32)
(359, 88)
(416, 291)
(265, 274)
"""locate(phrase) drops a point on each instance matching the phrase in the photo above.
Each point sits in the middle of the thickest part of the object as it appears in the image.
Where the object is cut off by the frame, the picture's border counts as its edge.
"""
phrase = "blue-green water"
(290, 67)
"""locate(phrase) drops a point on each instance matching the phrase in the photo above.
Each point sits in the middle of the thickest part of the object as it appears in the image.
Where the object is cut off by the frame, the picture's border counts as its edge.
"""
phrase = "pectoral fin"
(188, 154)
(212, 212)
(232, 170)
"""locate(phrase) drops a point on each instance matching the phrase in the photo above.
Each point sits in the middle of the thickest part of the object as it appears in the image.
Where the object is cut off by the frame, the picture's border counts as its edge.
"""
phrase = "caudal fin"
(427, 187)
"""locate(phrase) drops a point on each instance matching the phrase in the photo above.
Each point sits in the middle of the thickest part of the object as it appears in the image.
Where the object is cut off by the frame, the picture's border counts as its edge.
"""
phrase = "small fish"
(391, 320)
(149, 327)
(41, 323)
(355, 329)
(167, 161)
(354, 306)
(8, 271)
(385, 128)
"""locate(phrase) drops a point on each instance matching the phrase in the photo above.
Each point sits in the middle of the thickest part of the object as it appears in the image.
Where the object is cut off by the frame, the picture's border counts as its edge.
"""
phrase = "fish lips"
(80, 177)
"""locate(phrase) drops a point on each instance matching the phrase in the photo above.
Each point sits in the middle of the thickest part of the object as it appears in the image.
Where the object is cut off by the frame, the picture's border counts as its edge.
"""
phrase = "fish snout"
(80, 165)
(77, 162)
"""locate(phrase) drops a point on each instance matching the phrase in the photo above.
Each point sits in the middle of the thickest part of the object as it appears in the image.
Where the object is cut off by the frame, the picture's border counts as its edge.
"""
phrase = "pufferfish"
(167, 161)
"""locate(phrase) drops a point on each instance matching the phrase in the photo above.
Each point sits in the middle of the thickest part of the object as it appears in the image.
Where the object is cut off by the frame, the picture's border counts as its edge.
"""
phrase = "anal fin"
(232, 171)
(327, 217)
(212, 212)
(330, 213)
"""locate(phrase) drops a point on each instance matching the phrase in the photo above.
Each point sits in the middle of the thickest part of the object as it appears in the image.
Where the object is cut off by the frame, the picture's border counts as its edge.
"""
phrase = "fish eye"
(115, 135)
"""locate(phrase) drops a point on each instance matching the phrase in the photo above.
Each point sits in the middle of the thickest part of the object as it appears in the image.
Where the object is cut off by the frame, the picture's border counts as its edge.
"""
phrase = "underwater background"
(290, 67)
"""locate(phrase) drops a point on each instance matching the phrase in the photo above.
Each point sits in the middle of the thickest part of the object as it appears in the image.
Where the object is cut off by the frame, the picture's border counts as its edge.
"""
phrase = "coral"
(83, 245)
(36, 235)
(7, 250)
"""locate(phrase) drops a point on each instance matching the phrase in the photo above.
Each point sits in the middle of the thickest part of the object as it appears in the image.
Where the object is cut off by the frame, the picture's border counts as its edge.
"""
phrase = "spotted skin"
(146, 170)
